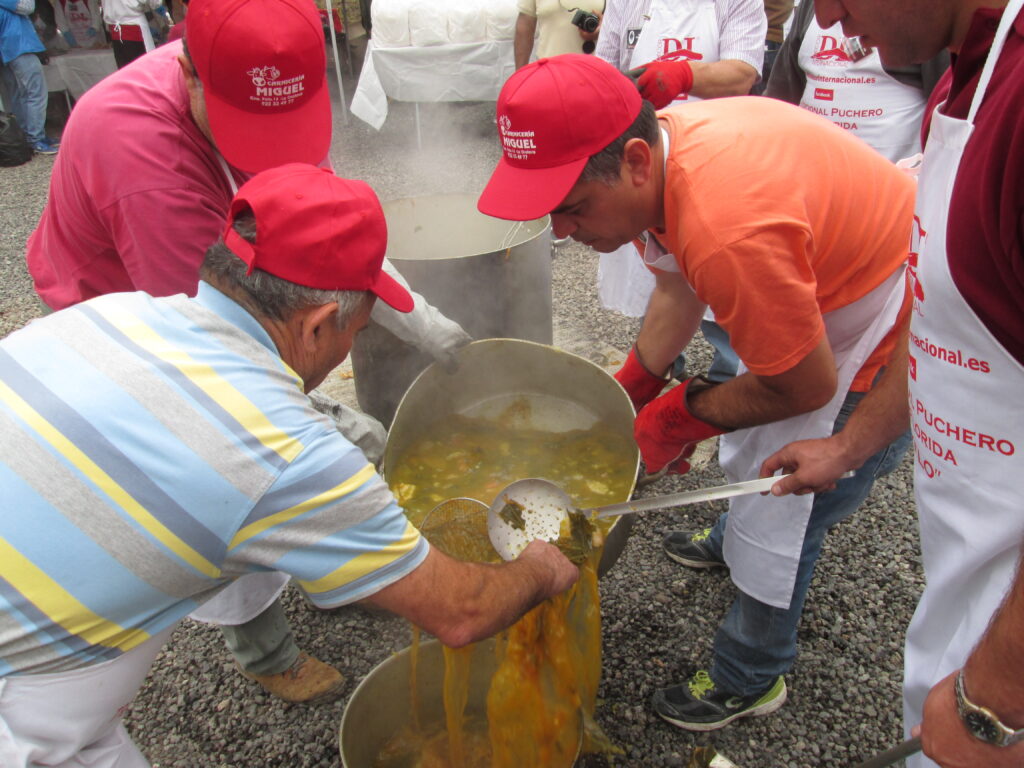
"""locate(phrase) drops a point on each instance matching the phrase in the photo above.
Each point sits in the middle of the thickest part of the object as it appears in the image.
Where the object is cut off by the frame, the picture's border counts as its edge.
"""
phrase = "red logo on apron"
(912, 366)
(917, 238)
(824, 94)
(830, 49)
(672, 48)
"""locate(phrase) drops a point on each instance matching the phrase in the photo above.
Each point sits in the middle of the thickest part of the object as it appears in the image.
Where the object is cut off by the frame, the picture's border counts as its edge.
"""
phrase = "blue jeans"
(725, 361)
(771, 51)
(26, 87)
(757, 642)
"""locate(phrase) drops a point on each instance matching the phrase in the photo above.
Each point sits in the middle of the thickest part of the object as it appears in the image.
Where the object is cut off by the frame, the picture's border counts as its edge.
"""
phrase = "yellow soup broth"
(541, 699)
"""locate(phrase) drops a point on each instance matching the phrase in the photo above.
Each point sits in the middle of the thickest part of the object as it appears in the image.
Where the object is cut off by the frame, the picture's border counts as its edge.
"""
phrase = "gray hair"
(265, 294)
(606, 164)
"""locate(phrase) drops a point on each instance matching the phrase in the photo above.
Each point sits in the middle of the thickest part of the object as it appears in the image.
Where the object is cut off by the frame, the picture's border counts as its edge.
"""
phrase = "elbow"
(745, 83)
(457, 637)
(468, 627)
(816, 397)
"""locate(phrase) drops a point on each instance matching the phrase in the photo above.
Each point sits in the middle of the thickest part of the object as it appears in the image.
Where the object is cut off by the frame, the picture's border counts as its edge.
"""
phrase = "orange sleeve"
(763, 292)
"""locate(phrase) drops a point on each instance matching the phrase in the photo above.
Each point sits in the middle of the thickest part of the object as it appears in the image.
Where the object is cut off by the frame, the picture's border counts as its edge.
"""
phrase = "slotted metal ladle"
(535, 508)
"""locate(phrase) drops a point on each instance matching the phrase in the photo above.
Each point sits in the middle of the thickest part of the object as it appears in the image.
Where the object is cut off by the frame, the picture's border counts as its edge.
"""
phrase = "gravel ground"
(659, 618)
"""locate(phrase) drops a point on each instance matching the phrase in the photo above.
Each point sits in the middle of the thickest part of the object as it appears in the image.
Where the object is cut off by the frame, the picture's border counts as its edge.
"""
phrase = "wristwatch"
(981, 721)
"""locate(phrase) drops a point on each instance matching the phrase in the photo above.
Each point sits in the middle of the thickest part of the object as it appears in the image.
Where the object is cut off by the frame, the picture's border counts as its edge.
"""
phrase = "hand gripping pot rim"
(263, 69)
(317, 230)
(552, 116)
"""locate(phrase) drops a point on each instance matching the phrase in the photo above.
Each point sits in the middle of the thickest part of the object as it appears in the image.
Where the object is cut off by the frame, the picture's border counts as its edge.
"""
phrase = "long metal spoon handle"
(890, 756)
(687, 497)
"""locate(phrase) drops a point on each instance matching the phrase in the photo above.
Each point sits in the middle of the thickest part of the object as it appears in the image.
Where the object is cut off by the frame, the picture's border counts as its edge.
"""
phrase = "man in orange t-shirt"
(795, 234)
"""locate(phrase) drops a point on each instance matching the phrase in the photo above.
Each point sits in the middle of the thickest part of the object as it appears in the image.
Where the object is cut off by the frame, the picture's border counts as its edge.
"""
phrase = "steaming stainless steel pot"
(565, 392)
(493, 277)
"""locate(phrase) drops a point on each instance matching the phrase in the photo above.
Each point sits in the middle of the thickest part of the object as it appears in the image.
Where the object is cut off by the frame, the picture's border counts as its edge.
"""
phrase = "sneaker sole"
(759, 711)
(694, 563)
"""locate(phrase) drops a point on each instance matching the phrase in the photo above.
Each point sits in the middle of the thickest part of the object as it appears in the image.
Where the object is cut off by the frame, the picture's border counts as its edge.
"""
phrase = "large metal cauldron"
(381, 704)
(565, 392)
(493, 277)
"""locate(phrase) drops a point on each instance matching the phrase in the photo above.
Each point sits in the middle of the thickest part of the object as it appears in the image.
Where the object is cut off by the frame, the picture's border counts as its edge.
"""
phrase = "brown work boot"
(307, 681)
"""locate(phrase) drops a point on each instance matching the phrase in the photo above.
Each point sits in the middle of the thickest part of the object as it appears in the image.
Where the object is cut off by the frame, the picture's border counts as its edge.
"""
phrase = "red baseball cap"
(263, 67)
(317, 230)
(553, 115)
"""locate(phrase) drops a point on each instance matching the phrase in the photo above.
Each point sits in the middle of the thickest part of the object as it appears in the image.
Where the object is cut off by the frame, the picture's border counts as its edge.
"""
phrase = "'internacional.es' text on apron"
(968, 423)
(860, 96)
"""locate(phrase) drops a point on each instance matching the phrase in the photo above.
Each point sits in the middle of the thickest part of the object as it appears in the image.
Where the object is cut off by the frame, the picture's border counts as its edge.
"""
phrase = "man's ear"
(187, 72)
(636, 162)
(314, 321)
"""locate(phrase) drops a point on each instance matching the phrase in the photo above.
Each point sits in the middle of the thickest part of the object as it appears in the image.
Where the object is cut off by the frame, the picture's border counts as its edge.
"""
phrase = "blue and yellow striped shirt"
(151, 450)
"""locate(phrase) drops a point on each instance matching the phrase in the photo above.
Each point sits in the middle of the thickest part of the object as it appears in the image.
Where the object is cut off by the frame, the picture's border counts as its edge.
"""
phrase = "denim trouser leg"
(27, 87)
(771, 51)
(725, 362)
(757, 642)
(264, 645)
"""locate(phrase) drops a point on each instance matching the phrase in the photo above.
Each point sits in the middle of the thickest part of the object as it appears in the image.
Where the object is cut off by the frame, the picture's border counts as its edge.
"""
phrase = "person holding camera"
(559, 26)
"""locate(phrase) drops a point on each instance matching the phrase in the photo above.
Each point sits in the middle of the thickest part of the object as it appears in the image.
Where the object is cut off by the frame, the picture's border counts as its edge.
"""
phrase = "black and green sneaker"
(690, 548)
(697, 705)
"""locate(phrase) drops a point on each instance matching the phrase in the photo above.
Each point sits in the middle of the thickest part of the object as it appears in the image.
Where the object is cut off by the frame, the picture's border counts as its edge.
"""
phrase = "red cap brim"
(254, 143)
(523, 194)
(391, 292)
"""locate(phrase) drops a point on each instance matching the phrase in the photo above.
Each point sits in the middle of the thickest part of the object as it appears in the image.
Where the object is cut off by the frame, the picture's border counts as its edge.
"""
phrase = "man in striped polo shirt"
(156, 449)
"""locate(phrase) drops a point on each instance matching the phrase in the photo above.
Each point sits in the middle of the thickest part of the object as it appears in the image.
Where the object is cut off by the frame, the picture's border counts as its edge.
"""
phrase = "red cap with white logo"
(317, 230)
(553, 115)
(263, 68)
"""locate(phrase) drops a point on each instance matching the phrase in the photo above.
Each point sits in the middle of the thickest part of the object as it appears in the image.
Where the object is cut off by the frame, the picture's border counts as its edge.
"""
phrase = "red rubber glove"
(667, 433)
(641, 385)
(660, 82)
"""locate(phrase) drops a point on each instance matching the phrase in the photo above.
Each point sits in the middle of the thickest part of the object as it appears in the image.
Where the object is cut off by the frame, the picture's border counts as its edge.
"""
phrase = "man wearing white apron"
(735, 196)
(965, 367)
(722, 46)
(881, 105)
(129, 28)
(81, 23)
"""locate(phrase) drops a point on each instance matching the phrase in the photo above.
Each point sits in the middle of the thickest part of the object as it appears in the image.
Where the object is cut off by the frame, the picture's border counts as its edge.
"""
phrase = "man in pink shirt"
(154, 156)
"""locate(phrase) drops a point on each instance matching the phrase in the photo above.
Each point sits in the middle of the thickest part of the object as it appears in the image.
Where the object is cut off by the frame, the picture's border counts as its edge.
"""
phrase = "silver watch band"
(982, 722)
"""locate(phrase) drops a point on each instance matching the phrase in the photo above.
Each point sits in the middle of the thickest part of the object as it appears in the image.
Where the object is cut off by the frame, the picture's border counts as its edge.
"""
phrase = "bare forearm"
(750, 400)
(722, 78)
(490, 602)
(743, 402)
(880, 417)
(672, 318)
(461, 602)
(883, 414)
(994, 672)
(522, 46)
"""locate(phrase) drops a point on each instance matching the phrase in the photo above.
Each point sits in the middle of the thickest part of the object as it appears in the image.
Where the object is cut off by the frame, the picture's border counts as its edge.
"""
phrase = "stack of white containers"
(422, 23)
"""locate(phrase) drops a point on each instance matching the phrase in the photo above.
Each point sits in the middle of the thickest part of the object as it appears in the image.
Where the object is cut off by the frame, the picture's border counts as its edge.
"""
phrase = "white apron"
(680, 29)
(73, 719)
(764, 535)
(81, 21)
(874, 106)
(968, 425)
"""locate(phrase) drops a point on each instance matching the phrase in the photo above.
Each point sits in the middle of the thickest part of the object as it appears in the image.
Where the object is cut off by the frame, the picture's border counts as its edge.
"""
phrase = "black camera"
(588, 22)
